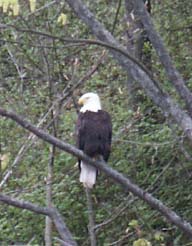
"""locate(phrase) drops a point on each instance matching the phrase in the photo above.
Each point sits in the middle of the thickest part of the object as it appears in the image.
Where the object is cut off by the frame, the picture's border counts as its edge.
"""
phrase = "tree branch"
(116, 16)
(115, 175)
(67, 92)
(135, 69)
(91, 225)
(173, 75)
(98, 29)
(49, 181)
(64, 233)
(132, 65)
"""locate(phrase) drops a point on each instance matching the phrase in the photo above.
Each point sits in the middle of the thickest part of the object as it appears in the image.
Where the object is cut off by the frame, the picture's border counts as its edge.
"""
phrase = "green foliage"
(141, 242)
(146, 147)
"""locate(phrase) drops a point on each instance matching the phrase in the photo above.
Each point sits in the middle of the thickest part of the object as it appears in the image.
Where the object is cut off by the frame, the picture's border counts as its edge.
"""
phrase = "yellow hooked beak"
(81, 101)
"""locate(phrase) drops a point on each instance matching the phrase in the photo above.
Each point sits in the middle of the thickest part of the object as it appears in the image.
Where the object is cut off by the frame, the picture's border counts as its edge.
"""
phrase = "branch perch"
(115, 175)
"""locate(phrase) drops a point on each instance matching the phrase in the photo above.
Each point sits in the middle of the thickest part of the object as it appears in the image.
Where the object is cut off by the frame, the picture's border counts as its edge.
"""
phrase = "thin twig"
(111, 46)
(151, 187)
(116, 16)
(120, 240)
(20, 73)
(29, 142)
(115, 214)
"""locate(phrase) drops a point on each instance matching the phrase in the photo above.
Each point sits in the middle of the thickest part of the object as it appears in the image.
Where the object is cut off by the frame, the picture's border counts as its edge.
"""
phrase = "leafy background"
(146, 146)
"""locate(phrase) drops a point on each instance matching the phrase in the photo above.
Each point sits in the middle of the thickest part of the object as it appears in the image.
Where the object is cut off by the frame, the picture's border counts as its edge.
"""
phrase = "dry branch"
(115, 175)
(64, 233)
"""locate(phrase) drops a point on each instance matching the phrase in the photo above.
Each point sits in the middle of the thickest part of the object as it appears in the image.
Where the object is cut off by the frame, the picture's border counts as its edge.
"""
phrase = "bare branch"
(49, 181)
(115, 175)
(135, 69)
(25, 205)
(116, 16)
(91, 225)
(64, 233)
(14, 60)
(30, 140)
(66, 93)
(109, 42)
(116, 213)
(173, 75)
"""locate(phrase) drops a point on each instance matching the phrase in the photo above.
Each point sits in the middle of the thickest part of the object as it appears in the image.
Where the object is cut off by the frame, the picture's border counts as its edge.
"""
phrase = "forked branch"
(62, 229)
(115, 175)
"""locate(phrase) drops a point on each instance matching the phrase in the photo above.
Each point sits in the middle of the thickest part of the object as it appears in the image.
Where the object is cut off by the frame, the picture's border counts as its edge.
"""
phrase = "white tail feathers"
(88, 175)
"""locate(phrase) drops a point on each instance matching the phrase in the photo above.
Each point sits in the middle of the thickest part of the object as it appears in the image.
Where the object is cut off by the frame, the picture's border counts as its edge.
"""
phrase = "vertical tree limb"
(173, 75)
(48, 221)
(91, 225)
(116, 16)
(134, 37)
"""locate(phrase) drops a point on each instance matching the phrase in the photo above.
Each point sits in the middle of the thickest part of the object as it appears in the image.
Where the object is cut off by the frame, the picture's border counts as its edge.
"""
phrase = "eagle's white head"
(89, 102)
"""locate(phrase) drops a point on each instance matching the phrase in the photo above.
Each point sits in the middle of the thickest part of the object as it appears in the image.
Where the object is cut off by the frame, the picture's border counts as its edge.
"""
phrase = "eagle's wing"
(94, 133)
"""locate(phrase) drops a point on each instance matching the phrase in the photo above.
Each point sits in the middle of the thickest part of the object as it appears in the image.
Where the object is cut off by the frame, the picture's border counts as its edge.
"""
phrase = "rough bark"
(115, 175)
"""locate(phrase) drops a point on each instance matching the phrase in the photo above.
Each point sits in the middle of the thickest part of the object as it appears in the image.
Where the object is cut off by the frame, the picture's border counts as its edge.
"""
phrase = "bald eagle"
(94, 131)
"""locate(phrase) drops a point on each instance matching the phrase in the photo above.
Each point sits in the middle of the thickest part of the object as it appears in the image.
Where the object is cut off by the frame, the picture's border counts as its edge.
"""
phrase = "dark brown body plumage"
(94, 132)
